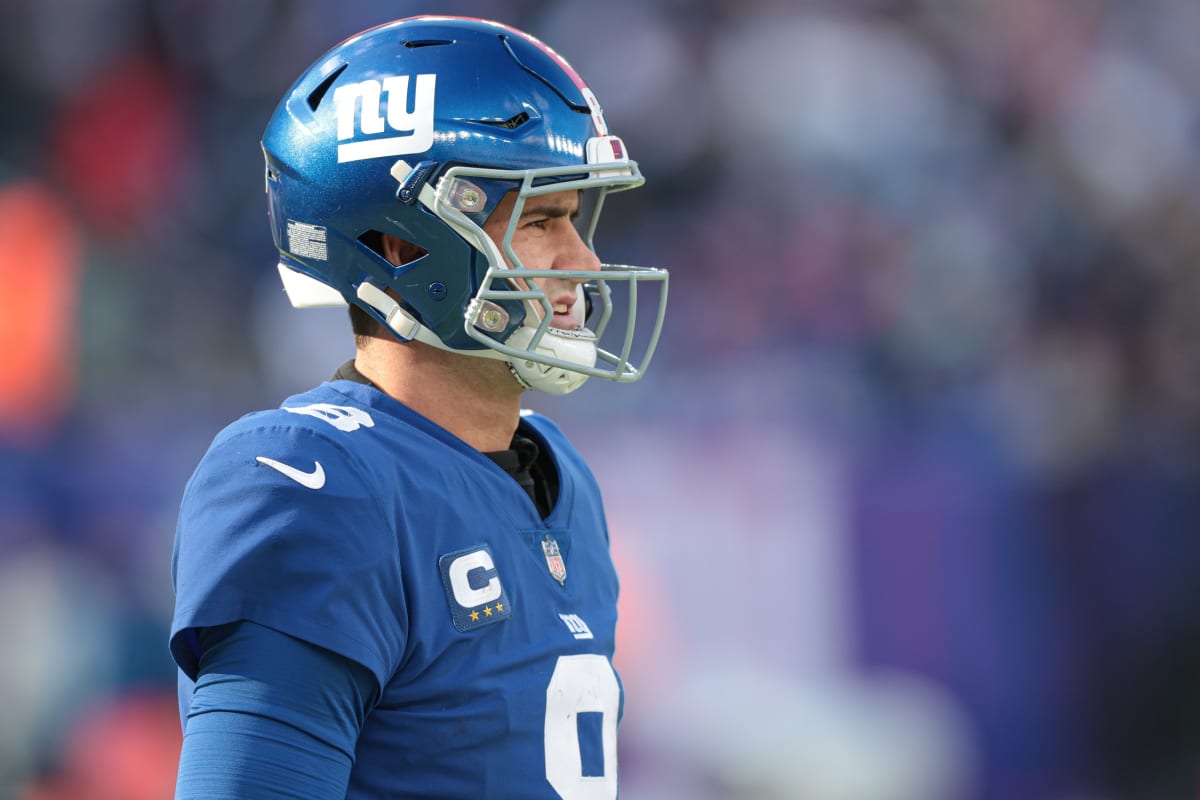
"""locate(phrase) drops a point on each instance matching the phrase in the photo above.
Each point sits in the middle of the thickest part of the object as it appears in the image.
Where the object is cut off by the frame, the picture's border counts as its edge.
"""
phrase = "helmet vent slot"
(509, 124)
(427, 43)
(318, 94)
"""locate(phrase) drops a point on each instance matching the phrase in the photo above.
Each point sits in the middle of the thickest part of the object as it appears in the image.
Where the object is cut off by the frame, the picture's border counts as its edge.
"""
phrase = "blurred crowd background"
(908, 507)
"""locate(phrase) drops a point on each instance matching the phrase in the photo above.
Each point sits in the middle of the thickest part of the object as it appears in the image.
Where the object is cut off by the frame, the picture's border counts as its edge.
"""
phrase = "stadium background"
(908, 506)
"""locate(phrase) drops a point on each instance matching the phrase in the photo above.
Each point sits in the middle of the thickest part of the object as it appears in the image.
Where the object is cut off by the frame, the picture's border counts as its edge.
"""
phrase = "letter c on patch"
(459, 573)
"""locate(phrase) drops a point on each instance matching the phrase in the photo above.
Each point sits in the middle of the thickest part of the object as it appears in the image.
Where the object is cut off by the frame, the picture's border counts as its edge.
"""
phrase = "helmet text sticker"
(359, 116)
(307, 240)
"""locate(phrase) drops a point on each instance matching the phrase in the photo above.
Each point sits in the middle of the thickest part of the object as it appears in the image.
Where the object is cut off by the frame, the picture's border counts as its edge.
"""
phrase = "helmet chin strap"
(578, 346)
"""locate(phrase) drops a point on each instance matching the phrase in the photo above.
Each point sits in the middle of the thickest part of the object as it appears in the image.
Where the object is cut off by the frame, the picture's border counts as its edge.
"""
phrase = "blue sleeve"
(320, 564)
(271, 717)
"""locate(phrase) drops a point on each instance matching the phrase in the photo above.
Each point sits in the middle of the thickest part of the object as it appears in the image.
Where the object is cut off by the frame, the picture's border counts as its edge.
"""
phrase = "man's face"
(546, 239)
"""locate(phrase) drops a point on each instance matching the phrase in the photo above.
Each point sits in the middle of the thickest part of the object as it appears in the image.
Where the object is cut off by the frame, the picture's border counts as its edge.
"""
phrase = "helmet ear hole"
(393, 249)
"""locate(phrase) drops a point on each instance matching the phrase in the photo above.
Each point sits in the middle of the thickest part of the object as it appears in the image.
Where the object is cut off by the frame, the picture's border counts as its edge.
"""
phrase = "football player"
(398, 584)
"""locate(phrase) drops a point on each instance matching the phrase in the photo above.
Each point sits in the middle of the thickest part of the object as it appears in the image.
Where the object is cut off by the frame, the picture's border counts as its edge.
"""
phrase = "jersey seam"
(243, 608)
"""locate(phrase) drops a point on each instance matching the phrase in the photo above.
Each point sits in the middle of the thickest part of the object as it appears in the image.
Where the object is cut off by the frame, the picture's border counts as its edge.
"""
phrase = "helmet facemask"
(510, 315)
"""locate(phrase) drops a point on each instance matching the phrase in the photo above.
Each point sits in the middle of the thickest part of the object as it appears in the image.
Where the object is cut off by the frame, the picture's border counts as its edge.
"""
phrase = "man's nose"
(576, 255)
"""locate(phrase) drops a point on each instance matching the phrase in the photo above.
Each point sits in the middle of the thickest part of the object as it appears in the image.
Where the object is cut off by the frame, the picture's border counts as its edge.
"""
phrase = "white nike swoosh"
(311, 480)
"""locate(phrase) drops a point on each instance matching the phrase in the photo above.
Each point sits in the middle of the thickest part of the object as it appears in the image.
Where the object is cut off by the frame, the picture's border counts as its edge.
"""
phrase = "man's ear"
(400, 252)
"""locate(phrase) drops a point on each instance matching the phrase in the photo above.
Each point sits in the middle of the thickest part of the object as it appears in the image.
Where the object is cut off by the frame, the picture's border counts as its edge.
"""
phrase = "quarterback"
(398, 584)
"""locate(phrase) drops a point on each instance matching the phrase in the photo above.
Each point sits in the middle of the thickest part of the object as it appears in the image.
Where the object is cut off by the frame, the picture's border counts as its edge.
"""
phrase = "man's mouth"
(563, 318)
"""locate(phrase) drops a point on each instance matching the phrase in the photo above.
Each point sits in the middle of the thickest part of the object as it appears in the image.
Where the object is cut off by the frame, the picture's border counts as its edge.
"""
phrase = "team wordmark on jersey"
(344, 418)
(473, 588)
(359, 116)
(575, 624)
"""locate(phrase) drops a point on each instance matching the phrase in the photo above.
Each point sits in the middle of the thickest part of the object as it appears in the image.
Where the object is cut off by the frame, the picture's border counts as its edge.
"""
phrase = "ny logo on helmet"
(358, 113)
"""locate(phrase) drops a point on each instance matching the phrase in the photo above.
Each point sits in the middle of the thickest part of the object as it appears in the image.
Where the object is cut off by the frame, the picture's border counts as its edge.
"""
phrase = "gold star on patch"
(499, 607)
(474, 616)
(487, 611)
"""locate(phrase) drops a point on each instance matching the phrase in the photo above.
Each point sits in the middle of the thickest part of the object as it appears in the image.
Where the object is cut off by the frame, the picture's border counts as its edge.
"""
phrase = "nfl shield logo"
(554, 560)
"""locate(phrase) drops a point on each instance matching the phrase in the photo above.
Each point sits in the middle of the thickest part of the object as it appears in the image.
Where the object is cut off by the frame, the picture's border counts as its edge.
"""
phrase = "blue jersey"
(347, 520)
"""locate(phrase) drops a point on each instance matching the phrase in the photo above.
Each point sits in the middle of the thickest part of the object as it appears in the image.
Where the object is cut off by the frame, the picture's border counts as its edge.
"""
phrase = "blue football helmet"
(417, 129)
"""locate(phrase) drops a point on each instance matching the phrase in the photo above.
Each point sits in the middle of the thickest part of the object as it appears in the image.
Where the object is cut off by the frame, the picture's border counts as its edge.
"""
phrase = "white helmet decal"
(359, 121)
